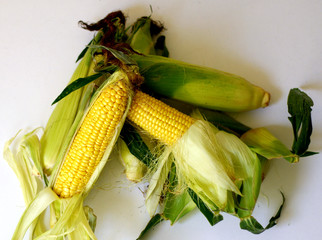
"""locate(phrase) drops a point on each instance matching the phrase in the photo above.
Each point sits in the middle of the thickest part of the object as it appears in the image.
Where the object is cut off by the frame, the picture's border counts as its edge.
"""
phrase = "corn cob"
(92, 138)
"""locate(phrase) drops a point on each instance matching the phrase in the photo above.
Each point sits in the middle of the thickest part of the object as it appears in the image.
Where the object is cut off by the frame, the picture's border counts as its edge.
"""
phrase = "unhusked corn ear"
(200, 86)
(158, 119)
(92, 138)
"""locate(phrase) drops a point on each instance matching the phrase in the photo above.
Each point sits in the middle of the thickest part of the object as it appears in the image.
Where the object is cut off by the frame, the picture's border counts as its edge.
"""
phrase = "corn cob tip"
(266, 99)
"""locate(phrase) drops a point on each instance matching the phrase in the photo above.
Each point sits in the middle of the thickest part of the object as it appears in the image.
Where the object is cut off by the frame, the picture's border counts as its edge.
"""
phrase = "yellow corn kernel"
(91, 140)
(158, 119)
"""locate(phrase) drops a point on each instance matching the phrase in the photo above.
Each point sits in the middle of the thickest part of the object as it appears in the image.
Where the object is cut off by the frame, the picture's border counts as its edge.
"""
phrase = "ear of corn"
(102, 123)
(200, 86)
(92, 138)
(202, 163)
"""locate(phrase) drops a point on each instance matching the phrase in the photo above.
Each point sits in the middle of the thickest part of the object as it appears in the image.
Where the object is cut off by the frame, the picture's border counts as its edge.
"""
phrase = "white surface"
(274, 44)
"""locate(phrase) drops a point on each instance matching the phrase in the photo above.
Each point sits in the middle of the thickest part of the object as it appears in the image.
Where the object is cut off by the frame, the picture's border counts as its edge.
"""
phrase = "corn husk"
(177, 202)
(23, 160)
(135, 169)
(141, 39)
(64, 113)
(157, 181)
(261, 141)
(200, 86)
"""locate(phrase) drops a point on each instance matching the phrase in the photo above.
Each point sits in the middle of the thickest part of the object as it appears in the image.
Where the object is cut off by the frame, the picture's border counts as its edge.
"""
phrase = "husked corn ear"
(91, 140)
(158, 119)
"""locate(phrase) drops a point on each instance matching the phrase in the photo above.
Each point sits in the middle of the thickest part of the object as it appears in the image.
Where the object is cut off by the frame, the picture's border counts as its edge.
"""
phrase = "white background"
(275, 44)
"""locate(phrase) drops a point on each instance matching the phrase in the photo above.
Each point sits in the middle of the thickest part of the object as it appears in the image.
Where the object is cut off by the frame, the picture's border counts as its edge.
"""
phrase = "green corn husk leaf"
(35, 208)
(135, 169)
(213, 217)
(211, 173)
(177, 202)
(141, 39)
(300, 107)
(82, 82)
(30, 146)
(72, 222)
(157, 181)
(63, 116)
(137, 145)
(155, 220)
(261, 141)
(247, 170)
(77, 84)
(23, 162)
(250, 191)
(123, 57)
(83, 52)
(91, 217)
(200, 86)
(176, 207)
(224, 122)
(252, 225)
(160, 47)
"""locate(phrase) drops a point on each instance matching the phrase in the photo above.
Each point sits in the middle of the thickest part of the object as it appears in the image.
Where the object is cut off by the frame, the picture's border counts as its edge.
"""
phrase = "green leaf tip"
(212, 217)
(300, 107)
(252, 225)
(77, 84)
(136, 145)
(155, 220)
(82, 54)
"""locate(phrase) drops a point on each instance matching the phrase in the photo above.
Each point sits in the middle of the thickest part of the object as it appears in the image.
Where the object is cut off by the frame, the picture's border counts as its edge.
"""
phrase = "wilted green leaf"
(299, 107)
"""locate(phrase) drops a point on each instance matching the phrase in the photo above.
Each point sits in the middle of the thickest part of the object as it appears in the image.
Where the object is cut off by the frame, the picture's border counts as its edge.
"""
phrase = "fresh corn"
(92, 138)
(82, 157)
(203, 163)
(200, 86)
